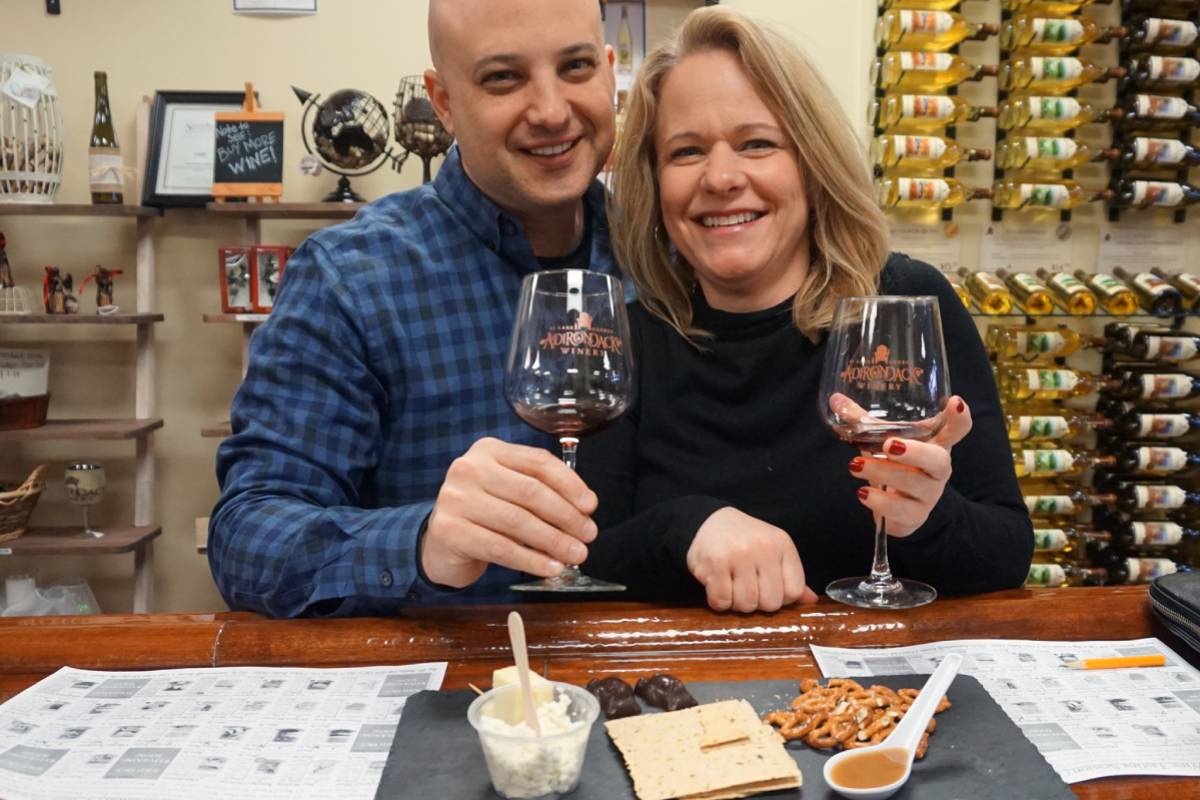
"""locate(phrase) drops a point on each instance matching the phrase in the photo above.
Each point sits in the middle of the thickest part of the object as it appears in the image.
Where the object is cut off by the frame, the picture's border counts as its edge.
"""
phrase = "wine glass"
(570, 372)
(885, 374)
(85, 487)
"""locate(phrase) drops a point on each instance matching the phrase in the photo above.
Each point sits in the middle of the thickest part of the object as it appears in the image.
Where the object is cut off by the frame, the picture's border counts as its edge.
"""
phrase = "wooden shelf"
(218, 431)
(286, 210)
(84, 429)
(243, 317)
(75, 210)
(65, 540)
(80, 319)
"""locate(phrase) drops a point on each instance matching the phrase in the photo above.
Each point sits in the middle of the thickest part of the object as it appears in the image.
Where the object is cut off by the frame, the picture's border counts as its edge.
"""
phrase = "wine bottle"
(1151, 344)
(1128, 533)
(1130, 385)
(1160, 35)
(1187, 284)
(1128, 569)
(922, 152)
(1115, 297)
(1146, 425)
(624, 43)
(1144, 152)
(1051, 427)
(1179, 7)
(1069, 292)
(1053, 35)
(1035, 154)
(1052, 74)
(1143, 459)
(1154, 73)
(1055, 195)
(925, 193)
(1154, 112)
(962, 293)
(1155, 295)
(1028, 342)
(921, 71)
(1054, 576)
(105, 168)
(1041, 114)
(1028, 383)
(1030, 294)
(1056, 545)
(1057, 7)
(923, 112)
(913, 29)
(1056, 463)
(932, 5)
(1140, 194)
(1065, 503)
(988, 292)
(1141, 496)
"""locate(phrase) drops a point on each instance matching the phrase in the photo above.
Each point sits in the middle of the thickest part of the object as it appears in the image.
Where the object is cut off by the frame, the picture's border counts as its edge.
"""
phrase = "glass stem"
(881, 571)
(86, 527)
(569, 444)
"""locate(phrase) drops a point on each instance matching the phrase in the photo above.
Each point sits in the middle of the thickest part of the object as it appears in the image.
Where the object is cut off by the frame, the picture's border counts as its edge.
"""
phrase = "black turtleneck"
(736, 423)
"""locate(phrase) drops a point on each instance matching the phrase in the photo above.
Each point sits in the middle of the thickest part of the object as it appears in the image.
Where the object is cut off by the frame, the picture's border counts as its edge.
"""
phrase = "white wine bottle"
(1071, 294)
(1028, 383)
(1054, 501)
(1041, 114)
(1040, 154)
(1055, 195)
(624, 43)
(923, 112)
(920, 71)
(1033, 341)
(1115, 297)
(962, 293)
(922, 152)
(105, 167)
(1051, 427)
(1060, 8)
(931, 5)
(914, 29)
(1056, 576)
(930, 193)
(1052, 74)
(1032, 295)
(1055, 462)
(988, 292)
(1058, 545)
(1058, 36)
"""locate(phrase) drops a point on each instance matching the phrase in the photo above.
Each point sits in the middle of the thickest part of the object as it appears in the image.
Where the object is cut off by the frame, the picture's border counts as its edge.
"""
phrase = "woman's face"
(731, 190)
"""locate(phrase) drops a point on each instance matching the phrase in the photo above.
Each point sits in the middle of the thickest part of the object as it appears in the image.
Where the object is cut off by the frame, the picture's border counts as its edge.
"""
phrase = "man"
(374, 461)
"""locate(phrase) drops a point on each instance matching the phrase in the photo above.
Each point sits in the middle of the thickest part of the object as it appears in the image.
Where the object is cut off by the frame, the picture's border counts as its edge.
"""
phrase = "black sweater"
(737, 424)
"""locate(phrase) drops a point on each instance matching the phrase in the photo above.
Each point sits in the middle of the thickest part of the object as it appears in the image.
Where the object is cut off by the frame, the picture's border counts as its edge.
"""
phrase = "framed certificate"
(179, 162)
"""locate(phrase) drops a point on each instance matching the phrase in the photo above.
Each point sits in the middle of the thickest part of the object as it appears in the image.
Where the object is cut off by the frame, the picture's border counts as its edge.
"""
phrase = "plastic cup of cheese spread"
(524, 766)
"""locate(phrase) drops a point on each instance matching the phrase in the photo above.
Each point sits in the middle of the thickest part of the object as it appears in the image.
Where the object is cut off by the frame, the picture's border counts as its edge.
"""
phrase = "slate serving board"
(977, 753)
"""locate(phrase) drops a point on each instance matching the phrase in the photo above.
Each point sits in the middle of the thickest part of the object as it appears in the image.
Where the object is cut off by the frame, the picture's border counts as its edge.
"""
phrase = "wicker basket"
(31, 138)
(17, 505)
(23, 412)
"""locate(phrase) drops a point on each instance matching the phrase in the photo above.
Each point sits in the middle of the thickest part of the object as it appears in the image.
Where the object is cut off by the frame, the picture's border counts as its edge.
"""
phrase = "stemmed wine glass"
(570, 372)
(85, 487)
(885, 375)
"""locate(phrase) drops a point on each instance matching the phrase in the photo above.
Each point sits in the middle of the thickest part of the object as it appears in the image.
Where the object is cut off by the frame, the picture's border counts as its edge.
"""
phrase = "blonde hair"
(847, 231)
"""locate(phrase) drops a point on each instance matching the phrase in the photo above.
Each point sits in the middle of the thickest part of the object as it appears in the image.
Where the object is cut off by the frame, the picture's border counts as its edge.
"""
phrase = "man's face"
(526, 87)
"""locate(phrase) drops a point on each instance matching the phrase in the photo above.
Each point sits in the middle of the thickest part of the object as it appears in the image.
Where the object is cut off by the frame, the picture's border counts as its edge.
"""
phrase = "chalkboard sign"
(248, 153)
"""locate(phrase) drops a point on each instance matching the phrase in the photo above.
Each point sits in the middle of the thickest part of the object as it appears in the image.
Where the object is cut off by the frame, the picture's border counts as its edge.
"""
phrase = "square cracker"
(666, 756)
(726, 722)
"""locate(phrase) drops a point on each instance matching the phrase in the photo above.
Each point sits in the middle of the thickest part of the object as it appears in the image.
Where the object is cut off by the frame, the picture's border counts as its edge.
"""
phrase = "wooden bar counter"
(577, 641)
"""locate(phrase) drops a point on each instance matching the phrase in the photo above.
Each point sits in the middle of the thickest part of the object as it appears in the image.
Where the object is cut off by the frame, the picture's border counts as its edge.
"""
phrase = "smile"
(553, 150)
(731, 219)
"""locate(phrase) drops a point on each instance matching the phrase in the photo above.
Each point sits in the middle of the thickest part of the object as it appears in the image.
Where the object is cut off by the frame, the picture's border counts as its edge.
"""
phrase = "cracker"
(723, 724)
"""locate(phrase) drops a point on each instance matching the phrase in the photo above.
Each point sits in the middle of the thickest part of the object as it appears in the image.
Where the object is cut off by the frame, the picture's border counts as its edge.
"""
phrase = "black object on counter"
(664, 691)
(615, 696)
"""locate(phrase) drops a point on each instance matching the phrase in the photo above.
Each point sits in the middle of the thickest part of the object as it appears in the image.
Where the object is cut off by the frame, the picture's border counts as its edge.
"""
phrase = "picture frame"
(179, 158)
(267, 263)
(233, 264)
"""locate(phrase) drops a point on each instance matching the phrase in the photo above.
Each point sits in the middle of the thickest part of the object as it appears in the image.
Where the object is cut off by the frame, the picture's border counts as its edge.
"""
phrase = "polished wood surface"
(81, 319)
(66, 540)
(86, 429)
(286, 210)
(578, 641)
(76, 210)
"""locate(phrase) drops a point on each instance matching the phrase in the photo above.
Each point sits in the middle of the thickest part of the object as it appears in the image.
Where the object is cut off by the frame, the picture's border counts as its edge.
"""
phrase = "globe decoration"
(418, 130)
(348, 134)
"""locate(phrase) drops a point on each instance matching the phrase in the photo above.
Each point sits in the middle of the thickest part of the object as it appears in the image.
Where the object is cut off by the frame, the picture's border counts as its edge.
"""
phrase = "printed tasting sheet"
(247, 732)
(1087, 723)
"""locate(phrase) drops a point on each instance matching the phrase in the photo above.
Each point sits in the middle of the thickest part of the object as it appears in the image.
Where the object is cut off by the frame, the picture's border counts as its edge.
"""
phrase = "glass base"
(569, 580)
(899, 593)
(90, 533)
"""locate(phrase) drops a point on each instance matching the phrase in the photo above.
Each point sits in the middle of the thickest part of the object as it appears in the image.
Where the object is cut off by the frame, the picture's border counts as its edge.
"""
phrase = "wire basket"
(17, 504)
(31, 134)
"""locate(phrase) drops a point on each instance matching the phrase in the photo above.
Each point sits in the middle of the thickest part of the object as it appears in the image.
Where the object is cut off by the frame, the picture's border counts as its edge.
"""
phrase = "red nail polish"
(856, 464)
(961, 406)
(897, 448)
(863, 493)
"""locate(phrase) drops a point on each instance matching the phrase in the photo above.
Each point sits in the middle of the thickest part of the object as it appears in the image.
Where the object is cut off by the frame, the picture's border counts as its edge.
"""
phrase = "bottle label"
(1162, 426)
(1150, 283)
(1144, 570)
(1049, 504)
(1045, 195)
(105, 170)
(1156, 106)
(921, 190)
(1161, 459)
(1173, 70)
(1055, 69)
(1046, 575)
(925, 21)
(1158, 151)
(1050, 539)
(932, 106)
(1031, 342)
(925, 62)
(925, 148)
(1107, 284)
(1156, 534)
(1165, 386)
(1047, 462)
(1051, 147)
(1057, 30)
(1042, 427)
(1159, 496)
(1170, 348)
(1067, 284)
(1056, 379)
(1054, 108)
(1157, 193)
(1171, 32)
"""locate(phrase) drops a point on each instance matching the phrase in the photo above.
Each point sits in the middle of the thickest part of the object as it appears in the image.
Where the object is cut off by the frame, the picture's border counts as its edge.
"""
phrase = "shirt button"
(385, 578)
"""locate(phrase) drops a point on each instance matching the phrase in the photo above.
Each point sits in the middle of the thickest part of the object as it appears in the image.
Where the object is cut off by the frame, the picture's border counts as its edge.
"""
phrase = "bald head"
(452, 22)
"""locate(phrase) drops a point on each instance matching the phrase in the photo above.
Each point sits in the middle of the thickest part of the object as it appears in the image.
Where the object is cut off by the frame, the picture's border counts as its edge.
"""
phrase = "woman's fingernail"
(897, 448)
(554, 567)
(856, 464)
(961, 406)
(578, 553)
(863, 493)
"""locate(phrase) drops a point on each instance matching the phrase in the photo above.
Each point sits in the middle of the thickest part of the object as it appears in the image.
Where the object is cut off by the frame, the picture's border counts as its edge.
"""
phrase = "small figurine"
(104, 288)
(57, 292)
(6, 276)
(12, 299)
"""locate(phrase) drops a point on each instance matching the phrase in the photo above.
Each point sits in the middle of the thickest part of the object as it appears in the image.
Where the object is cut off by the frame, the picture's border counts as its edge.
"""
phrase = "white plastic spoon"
(516, 637)
(899, 748)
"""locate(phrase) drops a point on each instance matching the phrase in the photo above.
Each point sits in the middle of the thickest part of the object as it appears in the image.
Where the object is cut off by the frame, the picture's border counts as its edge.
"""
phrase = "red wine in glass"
(885, 375)
(570, 372)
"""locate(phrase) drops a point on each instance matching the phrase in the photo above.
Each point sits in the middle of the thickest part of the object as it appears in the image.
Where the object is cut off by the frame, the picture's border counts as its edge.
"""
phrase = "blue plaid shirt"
(382, 362)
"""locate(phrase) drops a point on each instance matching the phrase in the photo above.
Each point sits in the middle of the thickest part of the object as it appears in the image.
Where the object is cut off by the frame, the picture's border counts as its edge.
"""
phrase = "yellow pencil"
(1115, 663)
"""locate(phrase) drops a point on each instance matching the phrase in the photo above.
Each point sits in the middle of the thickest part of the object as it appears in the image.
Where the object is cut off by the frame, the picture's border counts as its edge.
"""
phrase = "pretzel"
(845, 715)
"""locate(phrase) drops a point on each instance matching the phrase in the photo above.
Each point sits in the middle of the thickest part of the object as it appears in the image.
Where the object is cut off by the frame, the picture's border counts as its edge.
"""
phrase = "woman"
(743, 210)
